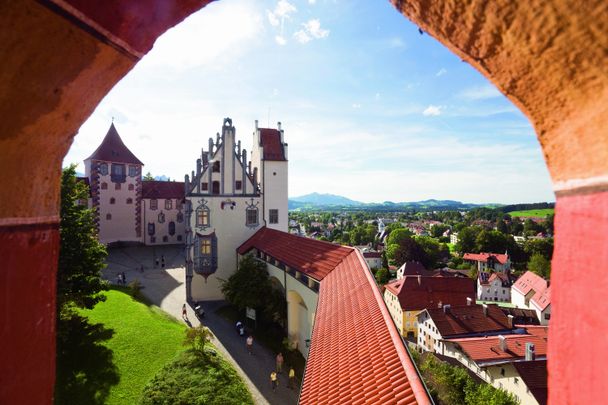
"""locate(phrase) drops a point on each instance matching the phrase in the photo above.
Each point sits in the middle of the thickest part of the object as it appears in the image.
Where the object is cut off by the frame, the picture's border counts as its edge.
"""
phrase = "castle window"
(274, 216)
(171, 228)
(153, 239)
(168, 204)
(251, 216)
(103, 169)
(118, 173)
(129, 201)
(216, 167)
(161, 217)
(132, 171)
(131, 187)
(179, 238)
(238, 185)
(108, 216)
(112, 200)
(179, 204)
(205, 246)
(202, 217)
(180, 217)
(205, 254)
(153, 204)
(104, 186)
(165, 238)
(117, 186)
(151, 228)
(204, 186)
(216, 187)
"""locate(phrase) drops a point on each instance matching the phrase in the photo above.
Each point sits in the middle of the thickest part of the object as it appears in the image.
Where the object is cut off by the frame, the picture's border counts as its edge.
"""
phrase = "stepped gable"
(112, 149)
(162, 189)
(356, 354)
(418, 292)
(271, 141)
(469, 319)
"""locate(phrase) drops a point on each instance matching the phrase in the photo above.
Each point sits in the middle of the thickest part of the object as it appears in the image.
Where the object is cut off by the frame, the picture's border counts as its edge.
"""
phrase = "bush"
(135, 287)
(196, 380)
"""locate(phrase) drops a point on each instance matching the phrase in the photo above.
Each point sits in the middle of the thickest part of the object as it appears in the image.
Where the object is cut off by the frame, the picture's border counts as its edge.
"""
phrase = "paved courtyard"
(165, 287)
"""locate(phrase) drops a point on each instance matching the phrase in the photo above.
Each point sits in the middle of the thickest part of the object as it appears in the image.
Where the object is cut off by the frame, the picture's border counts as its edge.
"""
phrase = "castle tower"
(114, 174)
(225, 206)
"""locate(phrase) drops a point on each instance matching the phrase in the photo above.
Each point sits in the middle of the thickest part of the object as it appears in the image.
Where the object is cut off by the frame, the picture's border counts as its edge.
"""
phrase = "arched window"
(161, 217)
(104, 186)
(129, 201)
(131, 187)
(151, 228)
(171, 228)
(112, 200)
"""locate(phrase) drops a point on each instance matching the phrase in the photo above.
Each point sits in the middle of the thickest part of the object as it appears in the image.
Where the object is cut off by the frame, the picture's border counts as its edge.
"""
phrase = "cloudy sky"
(372, 110)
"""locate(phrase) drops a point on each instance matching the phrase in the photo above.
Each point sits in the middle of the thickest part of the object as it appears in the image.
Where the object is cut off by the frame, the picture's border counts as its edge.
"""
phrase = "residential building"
(494, 286)
(454, 238)
(531, 291)
(413, 269)
(407, 296)
(489, 261)
(373, 259)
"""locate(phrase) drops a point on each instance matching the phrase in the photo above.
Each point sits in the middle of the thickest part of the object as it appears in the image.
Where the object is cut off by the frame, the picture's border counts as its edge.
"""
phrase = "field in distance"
(532, 213)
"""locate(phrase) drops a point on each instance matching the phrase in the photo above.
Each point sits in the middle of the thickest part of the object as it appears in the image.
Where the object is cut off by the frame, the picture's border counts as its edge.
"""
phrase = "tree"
(540, 265)
(81, 256)
(491, 241)
(384, 260)
(466, 240)
(148, 177)
(382, 276)
(409, 251)
(198, 338)
(434, 252)
(397, 235)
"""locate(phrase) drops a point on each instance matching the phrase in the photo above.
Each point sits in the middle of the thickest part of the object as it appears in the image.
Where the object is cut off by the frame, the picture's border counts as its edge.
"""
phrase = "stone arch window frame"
(171, 228)
(250, 207)
(200, 209)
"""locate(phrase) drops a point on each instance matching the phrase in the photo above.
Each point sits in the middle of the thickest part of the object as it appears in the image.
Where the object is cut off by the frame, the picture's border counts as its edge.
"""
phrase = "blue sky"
(372, 110)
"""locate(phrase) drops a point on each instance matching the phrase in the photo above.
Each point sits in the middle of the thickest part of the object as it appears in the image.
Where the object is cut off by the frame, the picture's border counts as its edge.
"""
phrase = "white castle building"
(228, 199)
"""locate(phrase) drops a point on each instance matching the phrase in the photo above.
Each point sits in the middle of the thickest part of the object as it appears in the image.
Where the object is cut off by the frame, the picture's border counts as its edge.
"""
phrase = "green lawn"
(145, 339)
(532, 213)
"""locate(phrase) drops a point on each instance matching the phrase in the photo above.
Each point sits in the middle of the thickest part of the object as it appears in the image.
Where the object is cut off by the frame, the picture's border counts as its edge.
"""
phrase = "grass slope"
(145, 339)
(532, 213)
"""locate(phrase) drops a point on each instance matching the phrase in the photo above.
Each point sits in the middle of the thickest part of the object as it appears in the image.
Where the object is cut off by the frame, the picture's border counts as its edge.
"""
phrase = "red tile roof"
(356, 354)
(417, 292)
(483, 257)
(372, 255)
(271, 141)
(112, 149)
(485, 280)
(530, 281)
(534, 374)
(310, 256)
(162, 189)
(469, 320)
(414, 269)
(487, 349)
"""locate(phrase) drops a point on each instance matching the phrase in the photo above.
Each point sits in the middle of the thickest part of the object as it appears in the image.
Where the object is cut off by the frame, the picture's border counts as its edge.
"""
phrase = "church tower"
(114, 174)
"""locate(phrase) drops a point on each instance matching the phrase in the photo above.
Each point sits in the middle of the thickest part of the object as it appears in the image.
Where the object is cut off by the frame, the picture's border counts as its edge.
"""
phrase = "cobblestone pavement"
(165, 288)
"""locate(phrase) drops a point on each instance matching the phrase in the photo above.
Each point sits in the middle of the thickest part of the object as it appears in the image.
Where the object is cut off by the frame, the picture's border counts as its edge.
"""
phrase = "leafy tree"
(382, 276)
(438, 230)
(501, 226)
(543, 247)
(491, 241)
(397, 235)
(434, 252)
(198, 338)
(148, 177)
(409, 250)
(467, 240)
(384, 260)
(540, 265)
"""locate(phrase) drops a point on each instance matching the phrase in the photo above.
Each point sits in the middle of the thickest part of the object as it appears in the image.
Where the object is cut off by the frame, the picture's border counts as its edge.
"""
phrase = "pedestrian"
(292, 378)
(250, 344)
(273, 380)
(119, 279)
(279, 363)
(156, 261)
(141, 269)
(184, 313)
(239, 325)
(162, 261)
(124, 278)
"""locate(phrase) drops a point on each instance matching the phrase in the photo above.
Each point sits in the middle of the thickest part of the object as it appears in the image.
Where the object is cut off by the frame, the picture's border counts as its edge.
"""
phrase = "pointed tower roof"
(113, 149)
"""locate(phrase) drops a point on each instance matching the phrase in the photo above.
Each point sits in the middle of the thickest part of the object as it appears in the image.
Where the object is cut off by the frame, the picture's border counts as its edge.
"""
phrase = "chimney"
(446, 308)
(502, 341)
(256, 124)
(469, 301)
(530, 354)
(485, 309)
(510, 318)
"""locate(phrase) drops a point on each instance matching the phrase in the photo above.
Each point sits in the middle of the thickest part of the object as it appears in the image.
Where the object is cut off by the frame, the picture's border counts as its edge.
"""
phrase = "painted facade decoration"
(228, 198)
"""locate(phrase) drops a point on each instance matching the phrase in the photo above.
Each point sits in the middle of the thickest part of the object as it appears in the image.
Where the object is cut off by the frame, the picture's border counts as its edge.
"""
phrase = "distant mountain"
(324, 199)
(161, 178)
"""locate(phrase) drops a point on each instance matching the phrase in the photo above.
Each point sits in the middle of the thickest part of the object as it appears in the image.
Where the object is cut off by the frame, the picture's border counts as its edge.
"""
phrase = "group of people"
(160, 261)
(121, 278)
(274, 382)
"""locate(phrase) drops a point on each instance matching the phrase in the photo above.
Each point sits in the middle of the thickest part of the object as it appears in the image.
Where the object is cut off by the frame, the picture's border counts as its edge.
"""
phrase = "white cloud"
(312, 1)
(396, 42)
(356, 105)
(302, 37)
(313, 27)
(282, 11)
(441, 72)
(280, 40)
(432, 110)
(272, 18)
(480, 92)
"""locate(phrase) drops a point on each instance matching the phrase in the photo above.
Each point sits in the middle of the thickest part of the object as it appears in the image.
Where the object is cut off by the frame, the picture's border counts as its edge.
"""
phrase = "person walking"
(273, 380)
(156, 262)
(124, 278)
(184, 313)
(162, 261)
(250, 344)
(292, 378)
(279, 363)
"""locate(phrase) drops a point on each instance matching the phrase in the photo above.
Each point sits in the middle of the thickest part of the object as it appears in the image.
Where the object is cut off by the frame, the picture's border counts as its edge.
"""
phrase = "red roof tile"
(534, 374)
(469, 320)
(417, 292)
(356, 354)
(112, 149)
(312, 257)
(487, 349)
(483, 257)
(415, 269)
(271, 141)
(530, 281)
(162, 189)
